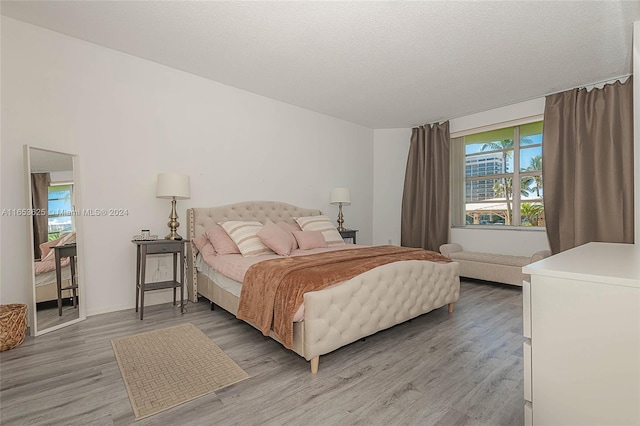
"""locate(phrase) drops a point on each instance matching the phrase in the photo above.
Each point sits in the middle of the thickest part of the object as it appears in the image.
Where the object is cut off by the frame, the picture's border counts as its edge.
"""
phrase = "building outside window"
(59, 210)
(482, 165)
(503, 176)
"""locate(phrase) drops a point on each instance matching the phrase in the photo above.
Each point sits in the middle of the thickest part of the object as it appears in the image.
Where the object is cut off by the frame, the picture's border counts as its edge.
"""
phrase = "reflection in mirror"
(57, 290)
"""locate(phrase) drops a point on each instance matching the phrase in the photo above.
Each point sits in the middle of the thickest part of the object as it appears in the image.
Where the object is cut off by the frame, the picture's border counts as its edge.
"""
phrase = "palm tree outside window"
(494, 161)
(60, 220)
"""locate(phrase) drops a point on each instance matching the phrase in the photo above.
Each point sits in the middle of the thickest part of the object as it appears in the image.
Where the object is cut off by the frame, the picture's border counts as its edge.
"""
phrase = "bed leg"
(212, 306)
(315, 363)
(450, 308)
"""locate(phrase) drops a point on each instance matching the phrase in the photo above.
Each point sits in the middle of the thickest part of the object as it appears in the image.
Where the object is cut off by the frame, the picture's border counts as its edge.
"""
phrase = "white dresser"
(582, 328)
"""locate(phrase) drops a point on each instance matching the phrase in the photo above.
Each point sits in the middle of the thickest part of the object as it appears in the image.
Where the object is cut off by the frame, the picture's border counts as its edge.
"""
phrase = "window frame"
(70, 184)
(458, 173)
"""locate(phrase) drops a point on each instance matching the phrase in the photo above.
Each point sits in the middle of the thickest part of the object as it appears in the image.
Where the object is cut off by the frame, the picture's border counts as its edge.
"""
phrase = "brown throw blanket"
(273, 290)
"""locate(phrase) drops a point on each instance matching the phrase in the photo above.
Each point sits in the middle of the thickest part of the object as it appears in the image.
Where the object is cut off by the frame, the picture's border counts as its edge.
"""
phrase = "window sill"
(502, 228)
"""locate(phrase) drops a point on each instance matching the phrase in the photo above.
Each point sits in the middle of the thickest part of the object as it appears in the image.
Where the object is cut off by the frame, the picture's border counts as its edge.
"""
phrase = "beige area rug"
(167, 367)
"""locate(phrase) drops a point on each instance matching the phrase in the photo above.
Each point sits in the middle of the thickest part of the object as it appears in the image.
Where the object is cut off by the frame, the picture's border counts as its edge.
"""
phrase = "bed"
(46, 288)
(45, 270)
(324, 327)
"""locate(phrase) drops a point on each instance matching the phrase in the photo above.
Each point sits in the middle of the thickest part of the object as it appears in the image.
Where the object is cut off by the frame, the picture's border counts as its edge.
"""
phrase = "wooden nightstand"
(143, 248)
(349, 233)
(67, 250)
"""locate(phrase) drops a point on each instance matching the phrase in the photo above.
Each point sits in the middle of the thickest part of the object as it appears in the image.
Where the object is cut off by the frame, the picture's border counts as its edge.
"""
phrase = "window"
(59, 210)
(503, 176)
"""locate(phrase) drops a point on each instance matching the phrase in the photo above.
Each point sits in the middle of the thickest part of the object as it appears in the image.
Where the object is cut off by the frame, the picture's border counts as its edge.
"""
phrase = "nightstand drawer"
(162, 247)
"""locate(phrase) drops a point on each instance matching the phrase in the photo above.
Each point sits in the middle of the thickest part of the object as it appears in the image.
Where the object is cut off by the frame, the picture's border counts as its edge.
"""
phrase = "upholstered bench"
(501, 268)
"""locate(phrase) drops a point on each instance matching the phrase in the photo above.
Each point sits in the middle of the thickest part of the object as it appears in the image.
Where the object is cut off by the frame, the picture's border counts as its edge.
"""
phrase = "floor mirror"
(55, 240)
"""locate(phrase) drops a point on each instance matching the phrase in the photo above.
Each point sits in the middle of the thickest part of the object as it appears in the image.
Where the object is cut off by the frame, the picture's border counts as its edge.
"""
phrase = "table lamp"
(174, 186)
(340, 196)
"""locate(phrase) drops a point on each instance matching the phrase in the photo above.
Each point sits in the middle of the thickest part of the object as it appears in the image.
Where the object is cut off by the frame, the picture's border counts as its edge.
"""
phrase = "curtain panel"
(457, 204)
(40, 202)
(588, 166)
(425, 200)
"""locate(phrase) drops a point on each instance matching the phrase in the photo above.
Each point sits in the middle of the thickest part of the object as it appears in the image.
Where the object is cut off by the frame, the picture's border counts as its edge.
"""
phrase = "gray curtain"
(40, 201)
(588, 166)
(425, 200)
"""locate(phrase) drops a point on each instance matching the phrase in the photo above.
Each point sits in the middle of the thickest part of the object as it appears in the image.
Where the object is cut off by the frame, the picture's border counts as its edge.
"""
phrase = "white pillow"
(245, 235)
(324, 225)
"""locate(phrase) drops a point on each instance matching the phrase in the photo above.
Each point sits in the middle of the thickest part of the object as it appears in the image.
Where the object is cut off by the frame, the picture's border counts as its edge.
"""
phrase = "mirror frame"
(33, 322)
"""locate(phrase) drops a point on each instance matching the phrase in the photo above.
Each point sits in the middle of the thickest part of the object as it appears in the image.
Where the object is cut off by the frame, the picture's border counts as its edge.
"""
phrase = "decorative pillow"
(62, 240)
(203, 245)
(310, 239)
(276, 238)
(45, 248)
(198, 242)
(289, 228)
(245, 235)
(220, 241)
(324, 225)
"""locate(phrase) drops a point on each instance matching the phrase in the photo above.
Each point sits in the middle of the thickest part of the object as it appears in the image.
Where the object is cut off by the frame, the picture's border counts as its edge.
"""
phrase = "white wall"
(65, 176)
(128, 119)
(508, 241)
(531, 108)
(391, 147)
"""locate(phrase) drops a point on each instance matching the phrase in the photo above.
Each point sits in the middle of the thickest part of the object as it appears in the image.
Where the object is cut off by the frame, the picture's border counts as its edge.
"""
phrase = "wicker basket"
(13, 325)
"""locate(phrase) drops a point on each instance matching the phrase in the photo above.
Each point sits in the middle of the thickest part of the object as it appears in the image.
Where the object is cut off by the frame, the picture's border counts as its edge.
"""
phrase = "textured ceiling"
(378, 64)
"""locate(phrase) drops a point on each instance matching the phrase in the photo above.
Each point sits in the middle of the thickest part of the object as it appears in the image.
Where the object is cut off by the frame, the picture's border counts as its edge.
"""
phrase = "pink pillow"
(310, 239)
(45, 248)
(276, 238)
(207, 250)
(289, 228)
(199, 242)
(222, 243)
(203, 245)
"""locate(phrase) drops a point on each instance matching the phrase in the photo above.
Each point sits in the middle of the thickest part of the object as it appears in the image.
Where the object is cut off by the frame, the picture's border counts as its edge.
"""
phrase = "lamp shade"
(171, 185)
(340, 195)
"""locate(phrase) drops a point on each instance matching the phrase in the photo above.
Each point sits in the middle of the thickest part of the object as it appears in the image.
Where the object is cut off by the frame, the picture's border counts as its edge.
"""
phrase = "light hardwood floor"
(47, 314)
(438, 369)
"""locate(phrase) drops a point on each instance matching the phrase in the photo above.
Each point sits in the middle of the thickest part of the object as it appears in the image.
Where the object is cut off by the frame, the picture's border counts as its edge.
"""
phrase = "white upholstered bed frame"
(335, 316)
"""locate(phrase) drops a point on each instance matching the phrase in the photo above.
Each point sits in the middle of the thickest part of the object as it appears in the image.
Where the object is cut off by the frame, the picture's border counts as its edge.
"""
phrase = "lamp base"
(173, 223)
(340, 218)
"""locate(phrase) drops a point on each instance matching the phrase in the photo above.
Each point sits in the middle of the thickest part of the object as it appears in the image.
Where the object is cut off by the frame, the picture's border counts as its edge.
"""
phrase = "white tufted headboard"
(202, 218)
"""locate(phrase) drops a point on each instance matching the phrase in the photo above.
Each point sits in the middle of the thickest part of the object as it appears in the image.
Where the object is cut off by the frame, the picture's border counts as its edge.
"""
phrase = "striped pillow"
(245, 235)
(324, 225)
